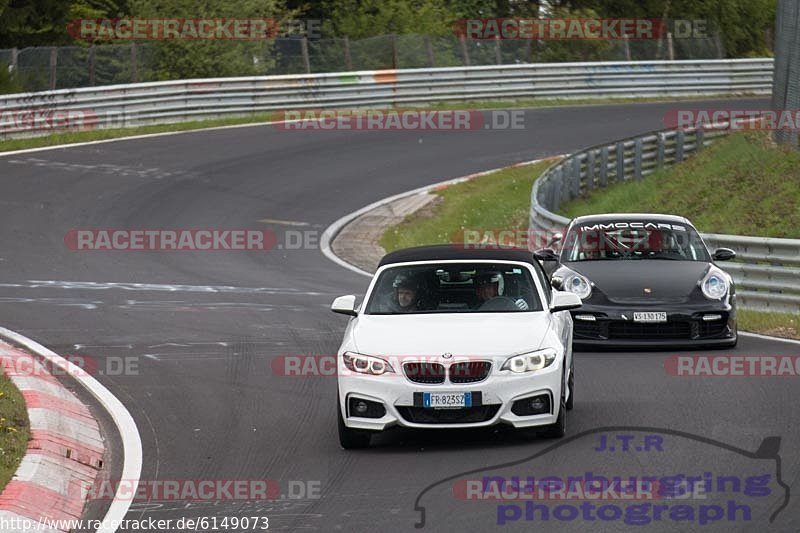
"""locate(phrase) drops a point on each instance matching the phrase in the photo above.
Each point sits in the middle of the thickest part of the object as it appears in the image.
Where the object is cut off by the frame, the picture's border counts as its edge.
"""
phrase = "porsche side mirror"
(563, 301)
(724, 254)
(545, 254)
(557, 237)
(345, 305)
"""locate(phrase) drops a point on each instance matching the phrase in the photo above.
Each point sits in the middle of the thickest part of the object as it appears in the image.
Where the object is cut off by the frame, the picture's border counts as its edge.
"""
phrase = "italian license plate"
(444, 400)
(650, 316)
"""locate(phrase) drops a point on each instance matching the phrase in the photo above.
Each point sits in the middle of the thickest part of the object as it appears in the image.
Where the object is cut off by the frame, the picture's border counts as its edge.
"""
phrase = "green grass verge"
(740, 185)
(14, 429)
(497, 201)
(785, 325)
(117, 133)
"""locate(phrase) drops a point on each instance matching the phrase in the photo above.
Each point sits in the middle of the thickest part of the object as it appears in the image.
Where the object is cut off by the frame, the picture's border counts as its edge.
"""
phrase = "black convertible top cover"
(446, 252)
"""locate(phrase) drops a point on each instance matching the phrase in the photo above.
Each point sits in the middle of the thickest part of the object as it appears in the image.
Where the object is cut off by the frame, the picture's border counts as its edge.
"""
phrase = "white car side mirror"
(345, 305)
(563, 301)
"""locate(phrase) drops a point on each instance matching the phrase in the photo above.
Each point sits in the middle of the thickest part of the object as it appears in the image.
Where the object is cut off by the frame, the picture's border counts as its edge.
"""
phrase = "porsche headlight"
(366, 364)
(530, 362)
(577, 284)
(715, 284)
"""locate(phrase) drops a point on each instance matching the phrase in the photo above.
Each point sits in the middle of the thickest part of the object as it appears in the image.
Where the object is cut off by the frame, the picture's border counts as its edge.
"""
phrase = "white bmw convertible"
(450, 337)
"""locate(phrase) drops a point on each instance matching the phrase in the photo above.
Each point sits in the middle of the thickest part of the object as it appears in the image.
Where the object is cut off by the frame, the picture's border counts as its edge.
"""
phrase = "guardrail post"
(620, 162)
(53, 64)
(590, 171)
(604, 166)
(679, 140)
(497, 55)
(700, 137)
(576, 177)
(464, 52)
(556, 191)
(563, 182)
(134, 65)
(637, 159)
(661, 143)
(348, 59)
(304, 51)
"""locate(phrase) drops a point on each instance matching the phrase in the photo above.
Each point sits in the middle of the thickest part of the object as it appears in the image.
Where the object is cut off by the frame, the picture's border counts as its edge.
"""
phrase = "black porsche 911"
(645, 280)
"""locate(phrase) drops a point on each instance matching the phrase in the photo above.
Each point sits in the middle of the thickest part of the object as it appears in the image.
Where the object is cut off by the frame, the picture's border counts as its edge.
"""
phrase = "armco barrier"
(766, 270)
(175, 101)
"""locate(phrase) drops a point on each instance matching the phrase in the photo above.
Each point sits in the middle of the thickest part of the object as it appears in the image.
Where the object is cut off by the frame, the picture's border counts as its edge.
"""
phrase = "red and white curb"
(65, 453)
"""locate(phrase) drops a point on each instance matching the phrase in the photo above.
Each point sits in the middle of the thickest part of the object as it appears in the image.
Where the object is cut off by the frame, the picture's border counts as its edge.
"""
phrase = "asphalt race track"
(203, 329)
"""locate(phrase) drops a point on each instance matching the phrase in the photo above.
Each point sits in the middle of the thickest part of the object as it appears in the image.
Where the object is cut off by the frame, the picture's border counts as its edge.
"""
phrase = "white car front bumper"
(501, 389)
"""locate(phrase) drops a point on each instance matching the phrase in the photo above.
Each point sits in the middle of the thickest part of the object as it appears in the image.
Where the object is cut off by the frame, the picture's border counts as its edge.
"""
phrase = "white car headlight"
(530, 362)
(715, 284)
(577, 284)
(366, 364)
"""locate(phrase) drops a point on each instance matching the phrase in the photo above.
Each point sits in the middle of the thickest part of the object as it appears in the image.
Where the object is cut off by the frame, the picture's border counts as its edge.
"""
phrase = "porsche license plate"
(650, 316)
(445, 400)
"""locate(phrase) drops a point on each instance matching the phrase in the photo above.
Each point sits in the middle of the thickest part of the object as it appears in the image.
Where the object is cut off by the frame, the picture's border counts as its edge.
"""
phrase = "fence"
(766, 270)
(786, 89)
(48, 68)
(174, 101)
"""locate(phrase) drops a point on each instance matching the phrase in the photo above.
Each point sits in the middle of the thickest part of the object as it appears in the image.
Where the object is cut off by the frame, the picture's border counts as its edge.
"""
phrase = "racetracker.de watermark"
(398, 120)
(758, 366)
(734, 119)
(44, 119)
(170, 239)
(561, 29)
(550, 488)
(82, 365)
(391, 366)
(189, 490)
(498, 239)
(191, 29)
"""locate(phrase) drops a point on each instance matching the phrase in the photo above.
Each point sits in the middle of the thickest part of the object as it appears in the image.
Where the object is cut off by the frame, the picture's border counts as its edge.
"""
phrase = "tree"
(179, 59)
(741, 24)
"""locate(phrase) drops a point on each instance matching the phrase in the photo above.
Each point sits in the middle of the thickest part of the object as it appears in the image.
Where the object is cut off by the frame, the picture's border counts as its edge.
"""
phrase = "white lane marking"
(38, 284)
(768, 337)
(330, 233)
(109, 170)
(134, 137)
(283, 222)
(129, 433)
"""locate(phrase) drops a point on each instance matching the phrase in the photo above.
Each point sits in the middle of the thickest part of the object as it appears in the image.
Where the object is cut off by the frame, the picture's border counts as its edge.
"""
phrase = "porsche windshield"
(454, 288)
(645, 240)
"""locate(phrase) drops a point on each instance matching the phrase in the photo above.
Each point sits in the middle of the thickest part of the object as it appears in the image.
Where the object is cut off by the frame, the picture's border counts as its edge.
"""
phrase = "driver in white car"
(489, 288)
(406, 295)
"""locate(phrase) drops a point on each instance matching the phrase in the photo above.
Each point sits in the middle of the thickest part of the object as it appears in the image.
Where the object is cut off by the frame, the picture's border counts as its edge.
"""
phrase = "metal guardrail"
(175, 101)
(766, 270)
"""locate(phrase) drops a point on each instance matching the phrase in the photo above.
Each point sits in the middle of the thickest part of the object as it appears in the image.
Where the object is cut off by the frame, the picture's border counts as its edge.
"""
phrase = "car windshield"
(454, 288)
(615, 241)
